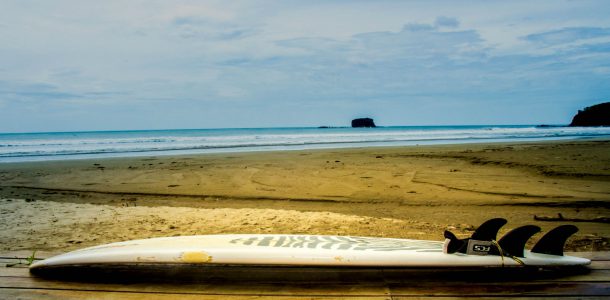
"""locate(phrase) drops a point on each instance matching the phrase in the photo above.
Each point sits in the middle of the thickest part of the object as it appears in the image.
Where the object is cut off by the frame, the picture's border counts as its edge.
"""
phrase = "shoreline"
(113, 144)
(169, 154)
(403, 192)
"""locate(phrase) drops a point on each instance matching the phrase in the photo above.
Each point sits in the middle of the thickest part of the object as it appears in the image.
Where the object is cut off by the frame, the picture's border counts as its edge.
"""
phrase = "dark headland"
(596, 115)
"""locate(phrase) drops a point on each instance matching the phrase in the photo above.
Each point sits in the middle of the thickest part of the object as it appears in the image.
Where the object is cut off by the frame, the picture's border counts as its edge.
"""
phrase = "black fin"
(513, 243)
(449, 235)
(455, 244)
(488, 230)
(553, 241)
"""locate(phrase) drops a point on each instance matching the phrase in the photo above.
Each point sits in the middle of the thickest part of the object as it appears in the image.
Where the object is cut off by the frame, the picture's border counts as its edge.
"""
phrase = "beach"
(402, 192)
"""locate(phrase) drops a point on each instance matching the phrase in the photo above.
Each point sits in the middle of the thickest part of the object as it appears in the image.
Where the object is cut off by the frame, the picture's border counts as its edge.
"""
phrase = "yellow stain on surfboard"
(196, 257)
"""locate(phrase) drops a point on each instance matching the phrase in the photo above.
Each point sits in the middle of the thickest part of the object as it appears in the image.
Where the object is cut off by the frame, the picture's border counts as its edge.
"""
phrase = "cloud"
(596, 48)
(335, 57)
(568, 35)
(417, 60)
(435, 63)
(36, 92)
(315, 45)
(414, 27)
(20, 91)
(416, 45)
(208, 11)
(203, 28)
(446, 22)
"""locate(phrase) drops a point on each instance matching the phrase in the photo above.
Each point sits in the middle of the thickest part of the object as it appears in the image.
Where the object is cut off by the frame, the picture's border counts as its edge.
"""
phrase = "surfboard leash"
(501, 252)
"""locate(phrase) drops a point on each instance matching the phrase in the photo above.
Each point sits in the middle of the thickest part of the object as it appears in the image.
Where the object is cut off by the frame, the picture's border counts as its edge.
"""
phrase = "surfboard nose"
(581, 261)
(35, 265)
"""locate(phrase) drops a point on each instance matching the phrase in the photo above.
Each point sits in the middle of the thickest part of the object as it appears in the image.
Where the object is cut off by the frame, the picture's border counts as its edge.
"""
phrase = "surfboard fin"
(513, 242)
(453, 244)
(485, 232)
(489, 229)
(553, 241)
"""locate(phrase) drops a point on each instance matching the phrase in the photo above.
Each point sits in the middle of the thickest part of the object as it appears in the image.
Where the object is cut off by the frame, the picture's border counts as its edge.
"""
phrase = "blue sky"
(112, 65)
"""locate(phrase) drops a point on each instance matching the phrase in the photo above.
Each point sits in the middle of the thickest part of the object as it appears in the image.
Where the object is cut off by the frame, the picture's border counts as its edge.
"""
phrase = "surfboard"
(480, 250)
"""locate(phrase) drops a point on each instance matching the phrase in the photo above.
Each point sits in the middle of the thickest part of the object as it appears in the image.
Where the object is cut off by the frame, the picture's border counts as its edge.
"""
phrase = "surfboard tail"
(512, 244)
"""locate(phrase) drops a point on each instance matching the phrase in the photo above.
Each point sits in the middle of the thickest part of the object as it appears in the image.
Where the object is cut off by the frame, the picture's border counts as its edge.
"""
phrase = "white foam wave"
(48, 145)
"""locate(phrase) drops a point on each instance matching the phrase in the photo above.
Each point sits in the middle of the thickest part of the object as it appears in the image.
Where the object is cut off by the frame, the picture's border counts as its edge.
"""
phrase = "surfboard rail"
(296, 250)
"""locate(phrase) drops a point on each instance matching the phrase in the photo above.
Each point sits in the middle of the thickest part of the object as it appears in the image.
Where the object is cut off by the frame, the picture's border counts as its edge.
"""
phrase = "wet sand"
(404, 192)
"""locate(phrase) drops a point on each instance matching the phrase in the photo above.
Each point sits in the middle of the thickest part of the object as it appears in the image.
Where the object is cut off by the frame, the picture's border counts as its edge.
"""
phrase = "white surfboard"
(294, 250)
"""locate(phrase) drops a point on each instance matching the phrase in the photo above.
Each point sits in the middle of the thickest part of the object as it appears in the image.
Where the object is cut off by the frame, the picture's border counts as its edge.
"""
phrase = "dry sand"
(408, 192)
(51, 225)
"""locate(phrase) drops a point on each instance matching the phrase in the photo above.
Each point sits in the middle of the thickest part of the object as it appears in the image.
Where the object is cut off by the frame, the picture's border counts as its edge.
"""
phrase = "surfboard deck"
(293, 250)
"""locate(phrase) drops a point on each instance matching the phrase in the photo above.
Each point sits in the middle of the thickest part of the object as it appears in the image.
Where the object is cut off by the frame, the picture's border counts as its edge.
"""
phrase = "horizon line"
(289, 127)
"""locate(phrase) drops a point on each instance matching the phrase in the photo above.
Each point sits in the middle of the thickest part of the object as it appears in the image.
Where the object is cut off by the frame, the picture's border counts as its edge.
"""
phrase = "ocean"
(15, 147)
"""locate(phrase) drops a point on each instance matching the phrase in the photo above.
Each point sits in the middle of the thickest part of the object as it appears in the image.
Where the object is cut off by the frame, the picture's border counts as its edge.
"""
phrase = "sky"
(123, 65)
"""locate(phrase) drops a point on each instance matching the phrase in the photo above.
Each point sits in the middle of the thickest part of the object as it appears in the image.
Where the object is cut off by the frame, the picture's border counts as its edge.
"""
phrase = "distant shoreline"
(246, 149)
(84, 145)
(271, 128)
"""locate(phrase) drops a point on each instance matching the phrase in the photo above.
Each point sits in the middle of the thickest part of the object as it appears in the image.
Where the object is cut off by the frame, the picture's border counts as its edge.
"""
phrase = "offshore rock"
(596, 115)
(363, 122)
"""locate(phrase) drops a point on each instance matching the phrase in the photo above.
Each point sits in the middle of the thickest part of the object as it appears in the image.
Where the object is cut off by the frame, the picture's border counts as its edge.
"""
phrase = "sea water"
(75, 145)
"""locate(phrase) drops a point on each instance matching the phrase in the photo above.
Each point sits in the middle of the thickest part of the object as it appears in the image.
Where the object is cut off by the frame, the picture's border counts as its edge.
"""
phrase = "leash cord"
(501, 251)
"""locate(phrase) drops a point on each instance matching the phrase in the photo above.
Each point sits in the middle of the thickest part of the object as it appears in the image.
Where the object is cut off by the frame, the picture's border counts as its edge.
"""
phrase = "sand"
(404, 192)
(88, 224)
